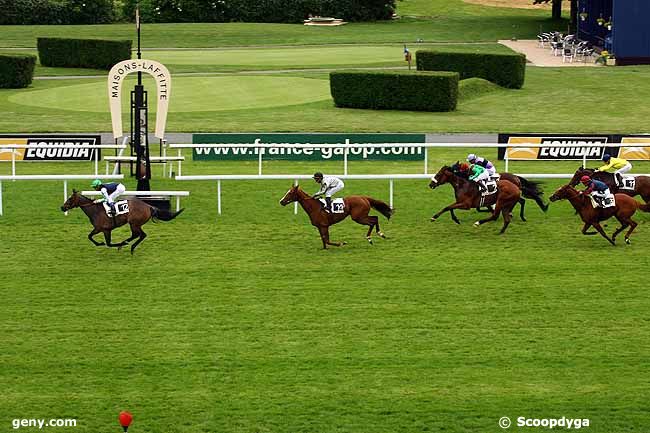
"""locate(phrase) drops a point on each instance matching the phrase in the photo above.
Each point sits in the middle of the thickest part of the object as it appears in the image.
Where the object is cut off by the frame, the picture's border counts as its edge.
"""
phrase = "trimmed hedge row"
(82, 53)
(416, 91)
(262, 11)
(506, 70)
(56, 12)
(16, 71)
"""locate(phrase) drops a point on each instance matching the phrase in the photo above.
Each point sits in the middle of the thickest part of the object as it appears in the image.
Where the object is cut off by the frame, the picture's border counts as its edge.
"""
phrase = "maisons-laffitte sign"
(163, 84)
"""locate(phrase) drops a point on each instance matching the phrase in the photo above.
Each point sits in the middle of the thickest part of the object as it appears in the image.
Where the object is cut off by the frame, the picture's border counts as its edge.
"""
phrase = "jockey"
(619, 165)
(110, 191)
(473, 159)
(329, 185)
(476, 173)
(595, 188)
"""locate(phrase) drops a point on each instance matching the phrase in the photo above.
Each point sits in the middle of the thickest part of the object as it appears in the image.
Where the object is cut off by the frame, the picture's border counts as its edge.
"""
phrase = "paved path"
(543, 56)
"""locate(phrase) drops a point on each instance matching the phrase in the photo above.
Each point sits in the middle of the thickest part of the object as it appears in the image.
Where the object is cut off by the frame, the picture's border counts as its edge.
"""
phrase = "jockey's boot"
(328, 204)
(481, 187)
(113, 212)
(619, 179)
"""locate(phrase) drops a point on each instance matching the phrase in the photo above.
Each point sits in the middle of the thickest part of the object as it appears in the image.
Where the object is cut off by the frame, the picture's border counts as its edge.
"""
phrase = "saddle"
(629, 183)
(121, 208)
(490, 188)
(603, 203)
(338, 205)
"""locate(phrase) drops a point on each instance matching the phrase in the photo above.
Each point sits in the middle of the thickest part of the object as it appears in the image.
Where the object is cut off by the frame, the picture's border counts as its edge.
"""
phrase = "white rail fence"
(260, 149)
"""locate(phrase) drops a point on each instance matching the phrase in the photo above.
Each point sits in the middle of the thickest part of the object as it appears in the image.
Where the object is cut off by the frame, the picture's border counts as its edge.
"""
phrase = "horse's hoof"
(627, 241)
(476, 224)
(369, 240)
(381, 235)
(343, 243)
(433, 218)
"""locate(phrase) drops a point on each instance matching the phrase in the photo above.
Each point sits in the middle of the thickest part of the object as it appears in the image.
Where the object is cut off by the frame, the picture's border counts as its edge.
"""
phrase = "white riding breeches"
(491, 171)
(331, 191)
(482, 177)
(627, 167)
(119, 190)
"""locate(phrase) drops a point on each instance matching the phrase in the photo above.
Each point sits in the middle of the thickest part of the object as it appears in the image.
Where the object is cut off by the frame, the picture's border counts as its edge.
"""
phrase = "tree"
(557, 9)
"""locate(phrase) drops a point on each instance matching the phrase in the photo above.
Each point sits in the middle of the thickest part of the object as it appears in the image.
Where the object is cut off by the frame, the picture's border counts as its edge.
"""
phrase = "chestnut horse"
(641, 186)
(468, 197)
(139, 213)
(529, 189)
(357, 206)
(623, 211)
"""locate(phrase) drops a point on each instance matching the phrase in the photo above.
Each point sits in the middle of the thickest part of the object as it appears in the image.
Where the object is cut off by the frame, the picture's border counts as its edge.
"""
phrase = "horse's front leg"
(602, 232)
(325, 237)
(90, 237)
(109, 243)
(585, 228)
(457, 205)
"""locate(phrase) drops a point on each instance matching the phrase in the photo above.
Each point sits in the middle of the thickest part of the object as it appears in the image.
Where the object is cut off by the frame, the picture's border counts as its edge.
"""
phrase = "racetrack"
(241, 323)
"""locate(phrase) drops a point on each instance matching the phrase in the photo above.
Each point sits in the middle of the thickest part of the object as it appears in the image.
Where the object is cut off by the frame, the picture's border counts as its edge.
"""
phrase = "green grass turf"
(430, 20)
(240, 323)
(552, 100)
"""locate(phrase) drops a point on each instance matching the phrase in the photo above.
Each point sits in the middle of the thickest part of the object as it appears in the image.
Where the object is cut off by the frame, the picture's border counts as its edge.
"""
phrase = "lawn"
(240, 323)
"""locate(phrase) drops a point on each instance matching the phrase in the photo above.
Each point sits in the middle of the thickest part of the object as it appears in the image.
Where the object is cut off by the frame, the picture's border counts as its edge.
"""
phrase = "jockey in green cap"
(110, 192)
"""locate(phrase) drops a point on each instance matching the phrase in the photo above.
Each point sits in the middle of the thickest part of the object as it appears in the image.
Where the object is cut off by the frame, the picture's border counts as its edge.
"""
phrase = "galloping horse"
(623, 211)
(529, 189)
(641, 186)
(469, 197)
(357, 206)
(139, 213)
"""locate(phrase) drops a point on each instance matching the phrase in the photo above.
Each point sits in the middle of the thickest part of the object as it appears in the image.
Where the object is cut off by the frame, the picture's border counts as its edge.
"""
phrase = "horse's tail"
(382, 207)
(164, 215)
(644, 207)
(533, 190)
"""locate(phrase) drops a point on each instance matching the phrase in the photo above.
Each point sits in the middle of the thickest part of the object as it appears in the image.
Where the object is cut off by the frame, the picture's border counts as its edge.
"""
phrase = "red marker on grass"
(125, 420)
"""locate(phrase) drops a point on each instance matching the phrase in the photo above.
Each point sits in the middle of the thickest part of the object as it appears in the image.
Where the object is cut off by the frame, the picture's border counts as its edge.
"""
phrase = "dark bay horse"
(641, 186)
(357, 206)
(625, 207)
(139, 213)
(468, 197)
(529, 189)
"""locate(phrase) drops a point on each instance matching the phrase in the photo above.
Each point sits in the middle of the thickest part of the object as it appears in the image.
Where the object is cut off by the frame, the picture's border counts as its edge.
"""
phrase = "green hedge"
(506, 70)
(263, 11)
(416, 91)
(16, 71)
(82, 53)
(56, 11)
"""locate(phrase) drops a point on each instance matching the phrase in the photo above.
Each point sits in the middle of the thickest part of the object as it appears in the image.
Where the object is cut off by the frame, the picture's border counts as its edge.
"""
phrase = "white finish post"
(65, 193)
(164, 155)
(390, 187)
(295, 203)
(345, 156)
(584, 161)
(96, 162)
(219, 197)
(0, 198)
(178, 203)
(426, 160)
(507, 160)
(259, 160)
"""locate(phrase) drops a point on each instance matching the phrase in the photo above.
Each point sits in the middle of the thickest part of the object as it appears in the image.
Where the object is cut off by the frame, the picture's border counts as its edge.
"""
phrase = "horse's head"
(563, 192)
(579, 173)
(71, 202)
(290, 196)
(443, 176)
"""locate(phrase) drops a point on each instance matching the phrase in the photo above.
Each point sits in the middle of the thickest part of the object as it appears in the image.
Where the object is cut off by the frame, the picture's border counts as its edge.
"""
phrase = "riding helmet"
(585, 179)
(96, 183)
(318, 175)
(471, 157)
(606, 157)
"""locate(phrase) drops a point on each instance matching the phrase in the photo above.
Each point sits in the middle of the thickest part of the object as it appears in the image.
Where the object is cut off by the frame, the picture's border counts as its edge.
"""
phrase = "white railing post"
(65, 193)
(506, 160)
(426, 160)
(13, 161)
(584, 161)
(259, 160)
(178, 203)
(0, 198)
(345, 156)
(390, 188)
(179, 162)
(96, 162)
(295, 203)
(219, 197)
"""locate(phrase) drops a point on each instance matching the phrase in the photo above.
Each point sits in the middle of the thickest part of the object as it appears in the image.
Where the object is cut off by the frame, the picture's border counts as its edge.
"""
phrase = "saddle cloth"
(338, 206)
(629, 182)
(490, 188)
(609, 201)
(495, 177)
(121, 207)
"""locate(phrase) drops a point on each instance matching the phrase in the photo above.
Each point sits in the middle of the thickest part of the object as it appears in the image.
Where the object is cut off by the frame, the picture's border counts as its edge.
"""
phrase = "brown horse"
(623, 211)
(357, 206)
(529, 189)
(139, 213)
(641, 186)
(468, 197)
